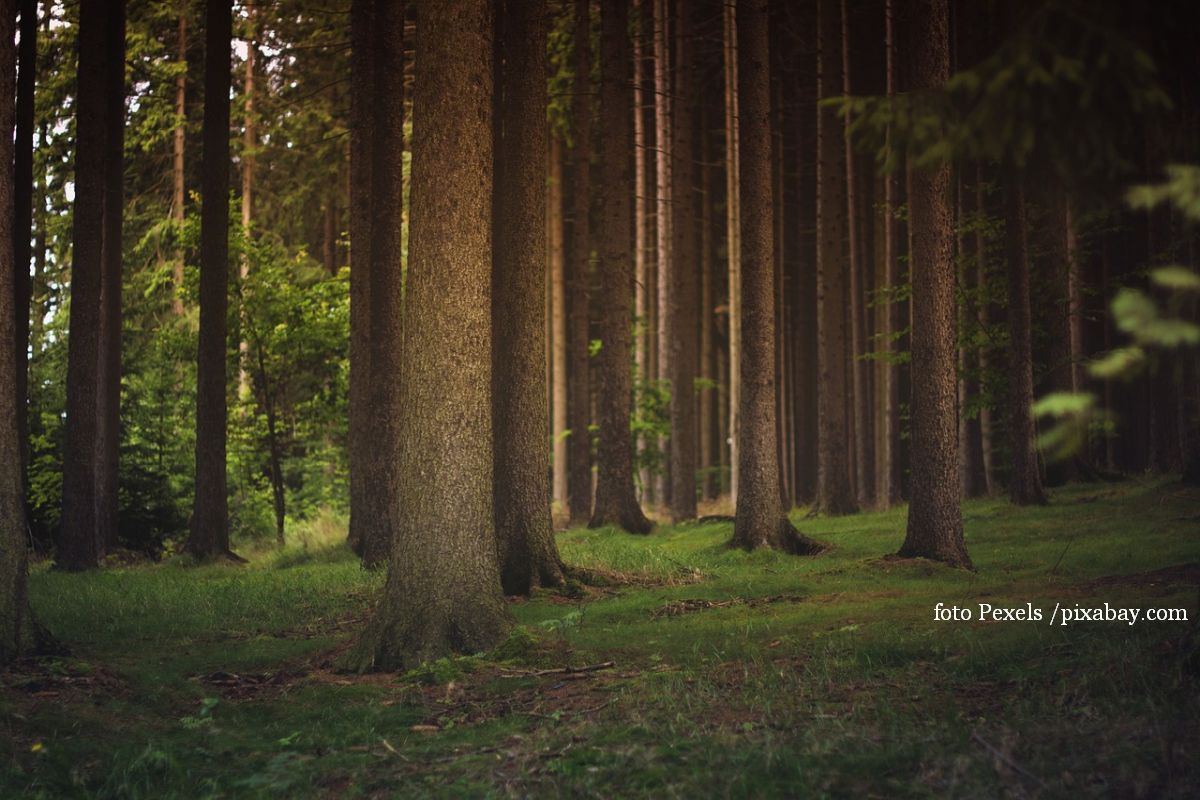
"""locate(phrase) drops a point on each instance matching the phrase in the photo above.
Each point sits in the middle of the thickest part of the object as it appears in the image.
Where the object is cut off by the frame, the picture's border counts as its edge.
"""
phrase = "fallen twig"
(537, 673)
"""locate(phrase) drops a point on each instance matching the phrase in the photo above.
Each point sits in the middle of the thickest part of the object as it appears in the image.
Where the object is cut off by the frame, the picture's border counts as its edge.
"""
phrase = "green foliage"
(650, 422)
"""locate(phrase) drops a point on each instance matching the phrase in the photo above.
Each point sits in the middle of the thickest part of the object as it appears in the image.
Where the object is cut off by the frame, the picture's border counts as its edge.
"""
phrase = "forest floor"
(711, 672)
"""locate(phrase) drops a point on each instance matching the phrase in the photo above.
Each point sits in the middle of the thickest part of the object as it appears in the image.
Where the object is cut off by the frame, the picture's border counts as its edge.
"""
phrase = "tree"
(525, 537)
(14, 607)
(81, 546)
(210, 515)
(889, 491)
(732, 231)
(667, 302)
(760, 521)
(615, 503)
(935, 527)
(443, 589)
(683, 267)
(579, 398)
(835, 492)
(178, 151)
(23, 216)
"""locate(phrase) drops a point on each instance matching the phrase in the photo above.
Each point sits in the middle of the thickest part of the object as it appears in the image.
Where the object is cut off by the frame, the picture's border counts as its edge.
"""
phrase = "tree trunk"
(249, 143)
(109, 368)
(970, 434)
(709, 407)
(732, 243)
(386, 288)
(986, 422)
(525, 536)
(663, 219)
(642, 291)
(554, 238)
(210, 518)
(579, 444)
(684, 288)
(616, 503)
(760, 520)
(15, 629)
(1025, 479)
(22, 233)
(443, 589)
(362, 121)
(935, 528)
(178, 196)
(835, 492)
(80, 546)
(890, 492)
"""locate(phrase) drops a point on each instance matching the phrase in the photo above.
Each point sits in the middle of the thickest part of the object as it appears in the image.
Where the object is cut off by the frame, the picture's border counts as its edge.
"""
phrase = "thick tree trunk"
(732, 242)
(210, 518)
(80, 546)
(443, 589)
(835, 492)
(616, 503)
(22, 233)
(579, 399)
(760, 520)
(386, 287)
(1025, 478)
(109, 368)
(178, 196)
(935, 528)
(525, 537)
(683, 269)
(15, 629)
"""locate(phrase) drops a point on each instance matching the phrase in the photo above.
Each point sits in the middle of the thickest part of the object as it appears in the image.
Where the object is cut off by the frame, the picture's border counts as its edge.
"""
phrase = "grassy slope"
(842, 684)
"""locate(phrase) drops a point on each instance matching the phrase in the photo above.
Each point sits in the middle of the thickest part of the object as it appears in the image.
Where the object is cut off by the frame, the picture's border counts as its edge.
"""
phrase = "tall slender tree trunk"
(249, 143)
(935, 528)
(524, 534)
(970, 438)
(1025, 479)
(643, 292)
(14, 607)
(835, 492)
(210, 517)
(732, 241)
(616, 502)
(22, 232)
(663, 219)
(986, 421)
(579, 399)
(80, 546)
(443, 589)
(109, 368)
(683, 269)
(890, 492)
(386, 283)
(709, 407)
(760, 520)
(362, 121)
(178, 195)
(552, 208)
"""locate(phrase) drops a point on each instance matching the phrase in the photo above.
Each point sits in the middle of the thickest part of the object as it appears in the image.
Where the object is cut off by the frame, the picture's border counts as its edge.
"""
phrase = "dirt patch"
(252, 685)
(59, 679)
(1181, 573)
(677, 608)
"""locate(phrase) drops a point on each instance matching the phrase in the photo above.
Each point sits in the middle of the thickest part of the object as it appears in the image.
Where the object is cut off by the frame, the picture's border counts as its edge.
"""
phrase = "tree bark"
(109, 368)
(178, 195)
(80, 545)
(553, 209)
(643, 356)
(890, 492)
(616, 503)
(210, 518)
(935, 528)
(683, 268)
(386, 286)
(443, 589)
(760, 520)
(835, 491)
(249, 143)
(732, 243)
(1025, 479)
(663, 219)
(579, 444)
(15, 628)
(525, 537)
(22, 233)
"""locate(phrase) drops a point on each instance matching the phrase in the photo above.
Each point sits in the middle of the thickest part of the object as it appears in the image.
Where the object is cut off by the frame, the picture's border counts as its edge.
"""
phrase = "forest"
(613, 398)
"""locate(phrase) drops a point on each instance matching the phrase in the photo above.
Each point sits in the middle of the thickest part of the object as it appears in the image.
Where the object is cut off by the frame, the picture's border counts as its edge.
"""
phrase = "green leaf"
(1176, 277)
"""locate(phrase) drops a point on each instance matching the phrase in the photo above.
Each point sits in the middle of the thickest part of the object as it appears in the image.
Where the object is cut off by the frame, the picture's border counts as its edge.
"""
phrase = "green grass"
(783, 676)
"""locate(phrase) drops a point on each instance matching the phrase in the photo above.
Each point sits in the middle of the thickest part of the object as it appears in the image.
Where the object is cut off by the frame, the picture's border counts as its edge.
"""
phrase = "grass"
(735, 674)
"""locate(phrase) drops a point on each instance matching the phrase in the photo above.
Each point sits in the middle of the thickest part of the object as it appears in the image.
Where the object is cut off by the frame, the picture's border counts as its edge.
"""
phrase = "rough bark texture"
(1025, 479)
(210, 524)
(835, 490)
(443, 590)
(579, 400)
(362, 94)
(111, 256)
(935, 528)
(386, 287)
(759, 520)
(14, 623)
(23, 219)
(524, 535)
(616, 503)
(80, 546)
(684, 278)
(732, 242)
